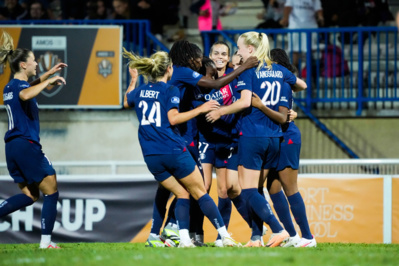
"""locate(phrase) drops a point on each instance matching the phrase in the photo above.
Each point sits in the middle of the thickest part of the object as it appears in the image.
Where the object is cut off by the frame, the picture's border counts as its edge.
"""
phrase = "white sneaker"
(291, 241)
(186, 245)
(219, 243)
(307, 243)
(49, 245)
(277, 238)
(230, 242)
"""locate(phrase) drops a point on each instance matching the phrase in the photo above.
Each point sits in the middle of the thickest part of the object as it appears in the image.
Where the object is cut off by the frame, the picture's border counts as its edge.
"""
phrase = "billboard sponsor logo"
(49, 51)
(105, 68)
(76, 214)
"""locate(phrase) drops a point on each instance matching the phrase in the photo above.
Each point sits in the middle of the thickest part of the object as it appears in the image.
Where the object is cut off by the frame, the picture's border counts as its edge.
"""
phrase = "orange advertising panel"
(395, 209)
(93, 56)
(339, 209)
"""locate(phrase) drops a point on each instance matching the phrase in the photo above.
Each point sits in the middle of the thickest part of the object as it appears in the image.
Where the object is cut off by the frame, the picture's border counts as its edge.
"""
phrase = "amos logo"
(84, 214)
(49, 51)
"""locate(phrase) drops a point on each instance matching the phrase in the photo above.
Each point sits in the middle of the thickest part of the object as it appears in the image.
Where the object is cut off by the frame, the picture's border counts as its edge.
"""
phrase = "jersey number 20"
(154, 116)
(272, 90)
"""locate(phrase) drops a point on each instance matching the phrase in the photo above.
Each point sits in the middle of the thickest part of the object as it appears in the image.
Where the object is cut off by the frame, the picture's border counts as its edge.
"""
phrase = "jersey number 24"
(153, 117)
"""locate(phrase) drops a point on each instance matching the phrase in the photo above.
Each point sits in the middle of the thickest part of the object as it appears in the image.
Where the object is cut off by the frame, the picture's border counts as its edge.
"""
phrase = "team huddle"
(236, 117)
(196, 114)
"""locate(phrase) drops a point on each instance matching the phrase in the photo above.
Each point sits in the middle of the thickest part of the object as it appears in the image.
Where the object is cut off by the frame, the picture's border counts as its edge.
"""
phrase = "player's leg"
(14, 151)
(281, 207)
(48, 186)
(196, 215)
(224, 202)
(159, 210)
(30, 194)
(194, 184)
(182, 209)
(262, 151)
(289, 179)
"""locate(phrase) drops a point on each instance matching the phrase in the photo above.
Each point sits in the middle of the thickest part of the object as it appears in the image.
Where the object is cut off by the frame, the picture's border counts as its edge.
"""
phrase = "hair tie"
(10, 52)
(260, 35)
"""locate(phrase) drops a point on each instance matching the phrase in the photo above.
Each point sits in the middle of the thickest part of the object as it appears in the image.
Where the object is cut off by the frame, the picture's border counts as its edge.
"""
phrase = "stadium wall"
(112, 135)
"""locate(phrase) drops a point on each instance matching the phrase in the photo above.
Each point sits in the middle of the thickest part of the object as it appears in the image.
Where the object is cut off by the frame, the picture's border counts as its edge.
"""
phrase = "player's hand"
(58, 67)
(213, 116)
(57, 80)
(256, 101)
(292, 115)
(251, 62)
(209, 106)
(133, 73)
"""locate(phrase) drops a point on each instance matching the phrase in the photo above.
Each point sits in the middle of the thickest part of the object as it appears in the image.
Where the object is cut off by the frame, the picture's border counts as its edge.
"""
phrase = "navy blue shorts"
(193, 150)
(216, 154)
(258, 153)
(26, 161)
(289, 156)
(164, 166)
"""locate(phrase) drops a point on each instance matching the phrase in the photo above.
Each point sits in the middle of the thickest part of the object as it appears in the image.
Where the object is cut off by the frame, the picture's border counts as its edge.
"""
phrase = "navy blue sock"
(299, 211)
(49, 213)
(257, 225)
(196, 217)
(261, 207)
(242, 207)
(210, 210)
(171, 212)
(224, 206)
(182, 212)
(282, 209)
(159, 209)
(14, 203)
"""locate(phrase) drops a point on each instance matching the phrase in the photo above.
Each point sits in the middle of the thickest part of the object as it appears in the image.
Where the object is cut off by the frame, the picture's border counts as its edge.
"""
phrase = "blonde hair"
(260, 42)
(152, 68)
(6, 47)
(7, 53)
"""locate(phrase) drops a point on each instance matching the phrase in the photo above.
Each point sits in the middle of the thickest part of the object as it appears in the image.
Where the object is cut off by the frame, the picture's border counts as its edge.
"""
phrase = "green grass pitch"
(75, 254)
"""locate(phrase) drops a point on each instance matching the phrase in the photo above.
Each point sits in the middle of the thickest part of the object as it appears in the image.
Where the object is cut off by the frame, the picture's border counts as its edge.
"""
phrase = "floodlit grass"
(75, 254)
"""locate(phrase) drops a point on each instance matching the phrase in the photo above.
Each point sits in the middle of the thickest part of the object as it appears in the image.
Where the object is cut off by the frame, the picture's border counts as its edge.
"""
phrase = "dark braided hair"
(280, 57)
(183, 53)
(206, 62)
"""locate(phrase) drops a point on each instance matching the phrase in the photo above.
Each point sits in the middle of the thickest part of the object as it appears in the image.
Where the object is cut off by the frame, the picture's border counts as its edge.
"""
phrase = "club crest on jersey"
(175, 99)
(105, 68)
(49, 51)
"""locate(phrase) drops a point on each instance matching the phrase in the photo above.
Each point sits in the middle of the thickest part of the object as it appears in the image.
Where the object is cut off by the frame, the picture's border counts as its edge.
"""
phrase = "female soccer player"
(187, 59)
(286, 173)
(26, 162)
(164, 150)
(259, 135)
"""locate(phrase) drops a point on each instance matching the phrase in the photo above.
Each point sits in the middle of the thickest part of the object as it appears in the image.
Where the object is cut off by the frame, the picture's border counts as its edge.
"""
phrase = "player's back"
(23, 116)
(267, 84)
(152, 103)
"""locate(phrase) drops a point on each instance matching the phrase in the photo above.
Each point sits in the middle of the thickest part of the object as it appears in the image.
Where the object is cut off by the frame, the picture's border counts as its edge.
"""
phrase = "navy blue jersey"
(291, 132)
(186, 79)
(268, 85)
(152, 102)
(225, 125)
(23, 116)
